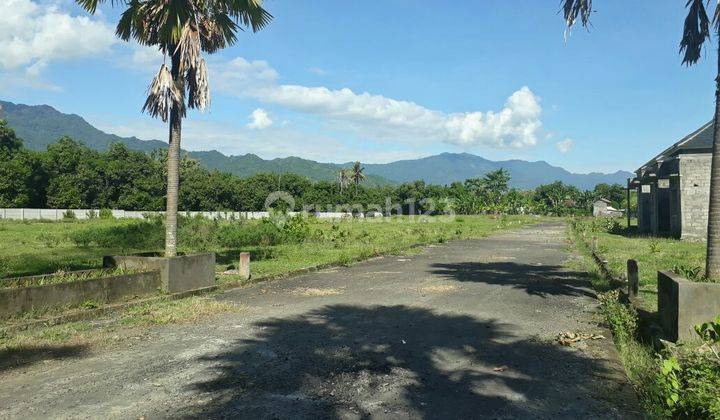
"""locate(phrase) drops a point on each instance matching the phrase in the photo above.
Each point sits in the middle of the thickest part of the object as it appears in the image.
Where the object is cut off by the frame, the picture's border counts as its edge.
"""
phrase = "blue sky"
(380, 81)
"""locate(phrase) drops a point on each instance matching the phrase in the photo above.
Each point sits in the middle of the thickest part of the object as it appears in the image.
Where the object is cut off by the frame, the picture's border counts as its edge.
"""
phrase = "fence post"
(594, 243)
(244, 265)
(633, 278)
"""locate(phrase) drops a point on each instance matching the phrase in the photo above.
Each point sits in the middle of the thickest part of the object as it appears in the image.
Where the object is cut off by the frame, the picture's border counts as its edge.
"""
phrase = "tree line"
(71, 175)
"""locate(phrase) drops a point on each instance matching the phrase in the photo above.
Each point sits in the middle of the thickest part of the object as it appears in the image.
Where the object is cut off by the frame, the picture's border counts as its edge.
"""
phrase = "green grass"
(347, 241)
(652, 254)
(342, 242)
(691, 390)
(59, 277)
(28, 248)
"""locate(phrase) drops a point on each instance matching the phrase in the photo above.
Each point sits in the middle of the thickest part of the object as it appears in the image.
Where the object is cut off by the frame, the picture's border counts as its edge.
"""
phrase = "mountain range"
(40, 125)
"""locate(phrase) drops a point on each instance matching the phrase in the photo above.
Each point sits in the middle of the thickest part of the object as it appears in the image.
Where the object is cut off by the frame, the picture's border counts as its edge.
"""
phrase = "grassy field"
(36, 248)
(28, 248)
(680, 382)
(652, 254)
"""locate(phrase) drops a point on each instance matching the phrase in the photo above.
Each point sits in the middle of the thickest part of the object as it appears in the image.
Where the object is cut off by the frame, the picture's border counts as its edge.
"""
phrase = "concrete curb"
(85, 314)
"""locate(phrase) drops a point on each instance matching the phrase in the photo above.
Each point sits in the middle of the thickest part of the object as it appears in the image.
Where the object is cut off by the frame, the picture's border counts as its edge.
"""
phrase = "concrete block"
(682, 304)
(177, 274)
(244, 265)
(17, 300)
(632, 278)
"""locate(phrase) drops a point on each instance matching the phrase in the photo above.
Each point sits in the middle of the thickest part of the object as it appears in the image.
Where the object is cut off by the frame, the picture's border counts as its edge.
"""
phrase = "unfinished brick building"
(674, 188)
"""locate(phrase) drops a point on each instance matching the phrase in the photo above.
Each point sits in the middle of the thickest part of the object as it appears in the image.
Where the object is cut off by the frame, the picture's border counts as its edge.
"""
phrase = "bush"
(239, 234)
(622, 319)
(688, 385)
(606, 224)
(69, 215)
(296, 229)
(106, 214)
(143, 234)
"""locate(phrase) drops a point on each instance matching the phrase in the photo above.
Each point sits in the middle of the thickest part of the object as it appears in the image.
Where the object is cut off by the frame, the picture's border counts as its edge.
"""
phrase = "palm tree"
(344, 179)
(182, 30)
(357, 173)
(696, 32)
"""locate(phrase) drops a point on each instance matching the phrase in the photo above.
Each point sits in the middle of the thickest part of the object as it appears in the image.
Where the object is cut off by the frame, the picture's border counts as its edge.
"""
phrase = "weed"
(654, 246)
(106, 214)
(49, 240)
(90, 304)
(692, 273)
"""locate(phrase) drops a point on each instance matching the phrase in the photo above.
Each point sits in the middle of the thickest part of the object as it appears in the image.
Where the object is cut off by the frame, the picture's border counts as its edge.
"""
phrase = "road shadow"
(13, 358)
(394, 361)
(537, 280)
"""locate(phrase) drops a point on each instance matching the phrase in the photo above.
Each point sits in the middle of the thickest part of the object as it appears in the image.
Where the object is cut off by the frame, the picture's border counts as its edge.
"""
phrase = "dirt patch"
(439, 288)
(313, 291)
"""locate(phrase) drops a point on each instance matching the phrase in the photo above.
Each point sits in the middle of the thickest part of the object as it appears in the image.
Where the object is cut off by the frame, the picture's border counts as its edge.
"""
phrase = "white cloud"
(565, 146)
(205, 134)
(34, 34)
(516, 125)
(259, 119)
(241, 77)
(145, 58)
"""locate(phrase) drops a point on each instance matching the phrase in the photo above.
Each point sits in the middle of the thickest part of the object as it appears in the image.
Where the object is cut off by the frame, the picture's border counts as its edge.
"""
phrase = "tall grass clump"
(196, 233)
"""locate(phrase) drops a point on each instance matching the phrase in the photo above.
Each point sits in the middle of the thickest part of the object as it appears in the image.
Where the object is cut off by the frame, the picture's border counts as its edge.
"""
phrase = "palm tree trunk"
(173, 171)
(712, 268)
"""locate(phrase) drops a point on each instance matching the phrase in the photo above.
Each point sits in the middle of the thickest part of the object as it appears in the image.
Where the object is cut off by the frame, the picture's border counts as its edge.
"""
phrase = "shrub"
(196, 233)
(106, 214)
(49, 240)
(92, 214)
(606, 224)
(239, 234)
(296, 229)
(69, 215)
(142, 234)
(687, 385)
(622, 319)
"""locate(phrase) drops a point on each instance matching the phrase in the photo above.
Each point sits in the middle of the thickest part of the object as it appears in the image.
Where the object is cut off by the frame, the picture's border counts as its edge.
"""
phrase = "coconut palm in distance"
(344, 179)
(357, 173)
(696, 31)
(182, 30)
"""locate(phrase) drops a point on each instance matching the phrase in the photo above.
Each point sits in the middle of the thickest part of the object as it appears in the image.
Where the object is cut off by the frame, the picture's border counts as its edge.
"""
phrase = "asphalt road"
(461, 330)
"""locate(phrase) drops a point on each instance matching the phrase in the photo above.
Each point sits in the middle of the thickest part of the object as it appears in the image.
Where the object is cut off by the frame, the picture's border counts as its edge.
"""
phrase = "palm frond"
(250, 13)
(577, 9)
(163, 95)
(189, 48)
(198, 86)
(89, 5)
(695, 32)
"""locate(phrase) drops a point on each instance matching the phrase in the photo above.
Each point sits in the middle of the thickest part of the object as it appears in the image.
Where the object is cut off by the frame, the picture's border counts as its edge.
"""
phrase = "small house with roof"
(674, 188)
(602, 207)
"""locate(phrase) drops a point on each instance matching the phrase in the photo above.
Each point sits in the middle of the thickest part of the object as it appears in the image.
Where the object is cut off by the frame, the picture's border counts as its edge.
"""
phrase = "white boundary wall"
(83, 214)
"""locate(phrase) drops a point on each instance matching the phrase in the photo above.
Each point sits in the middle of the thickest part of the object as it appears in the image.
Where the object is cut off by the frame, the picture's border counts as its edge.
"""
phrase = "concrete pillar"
(244, 265)
(633, 278)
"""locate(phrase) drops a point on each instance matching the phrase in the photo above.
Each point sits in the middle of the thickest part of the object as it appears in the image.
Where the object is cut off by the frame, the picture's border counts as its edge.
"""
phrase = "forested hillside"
(71, 175)
(41, 125)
